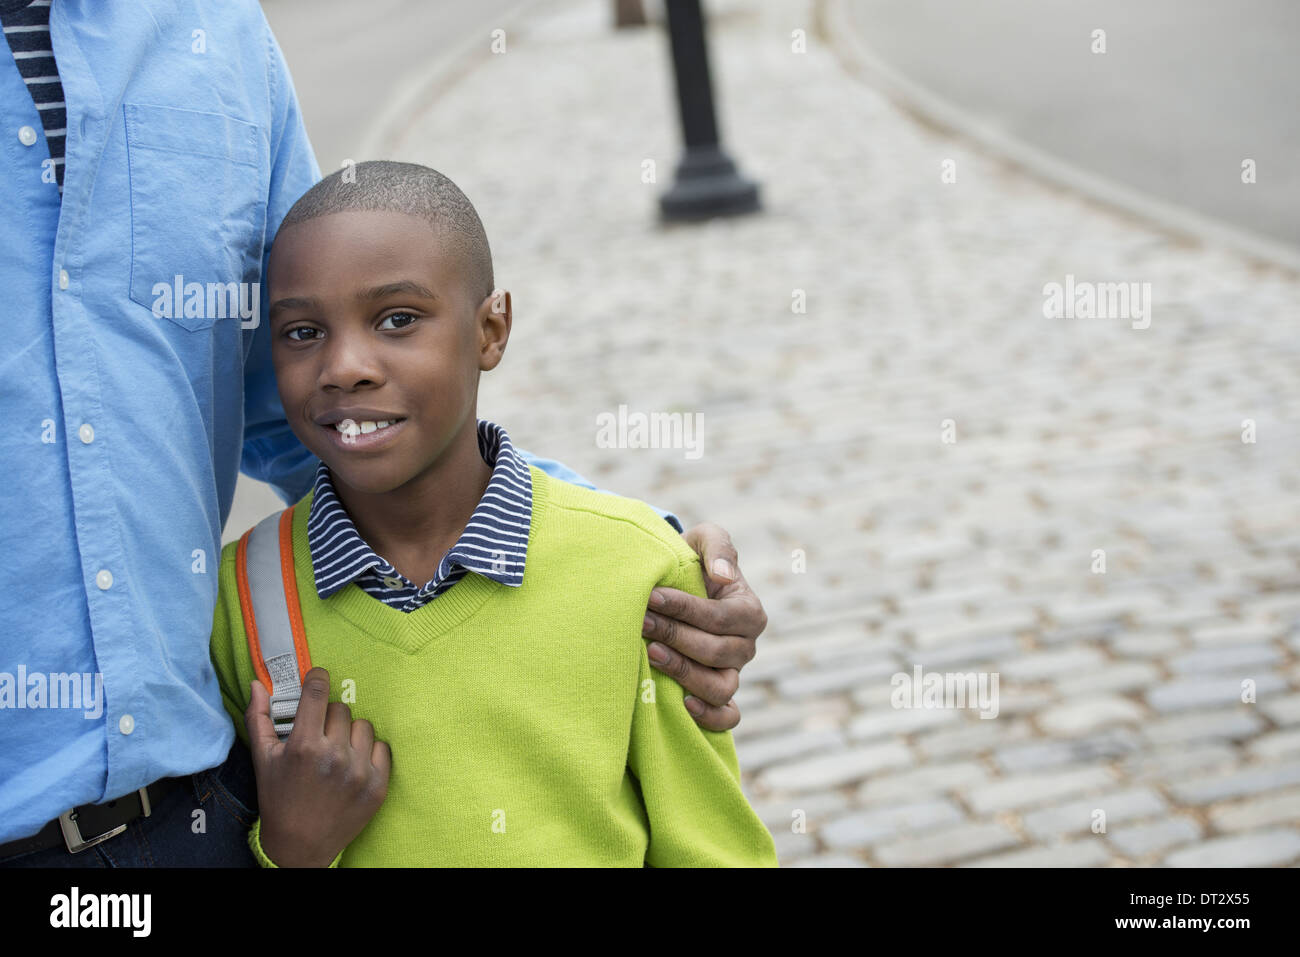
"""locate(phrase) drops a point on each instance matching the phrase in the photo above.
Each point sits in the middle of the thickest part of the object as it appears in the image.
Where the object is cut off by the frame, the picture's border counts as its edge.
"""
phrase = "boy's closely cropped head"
(383, 313)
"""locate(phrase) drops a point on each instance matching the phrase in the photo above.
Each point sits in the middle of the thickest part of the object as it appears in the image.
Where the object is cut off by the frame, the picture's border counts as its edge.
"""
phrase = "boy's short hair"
(412, 189)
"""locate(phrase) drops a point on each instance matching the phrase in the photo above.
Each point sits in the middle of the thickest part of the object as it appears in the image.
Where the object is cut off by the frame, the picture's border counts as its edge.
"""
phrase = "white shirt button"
(393, 582)
(63, 279)
(126, 724)
(104, 579)
(27, 136)
(86, 433)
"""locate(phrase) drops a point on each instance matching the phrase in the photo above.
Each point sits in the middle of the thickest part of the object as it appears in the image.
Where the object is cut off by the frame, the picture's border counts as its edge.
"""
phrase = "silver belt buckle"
(72, 836)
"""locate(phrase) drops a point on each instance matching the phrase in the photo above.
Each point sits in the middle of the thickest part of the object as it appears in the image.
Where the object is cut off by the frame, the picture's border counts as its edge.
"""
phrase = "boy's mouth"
(357, 435)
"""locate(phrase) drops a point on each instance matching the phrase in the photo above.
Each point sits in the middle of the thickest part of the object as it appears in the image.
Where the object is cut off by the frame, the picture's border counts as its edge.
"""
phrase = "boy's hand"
(318, 789)
(704, 642)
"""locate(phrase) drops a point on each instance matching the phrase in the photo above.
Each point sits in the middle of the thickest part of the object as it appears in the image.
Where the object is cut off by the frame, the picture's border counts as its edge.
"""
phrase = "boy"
(383, 313)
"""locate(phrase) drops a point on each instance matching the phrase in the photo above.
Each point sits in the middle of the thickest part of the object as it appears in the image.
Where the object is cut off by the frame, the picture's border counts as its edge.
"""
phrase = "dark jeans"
(176, 834)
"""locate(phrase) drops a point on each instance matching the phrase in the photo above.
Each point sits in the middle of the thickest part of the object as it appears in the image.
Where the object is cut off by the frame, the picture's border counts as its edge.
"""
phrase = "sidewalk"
(1119, 691)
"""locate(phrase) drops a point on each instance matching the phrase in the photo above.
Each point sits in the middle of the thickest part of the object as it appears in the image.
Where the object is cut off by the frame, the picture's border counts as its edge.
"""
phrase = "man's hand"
(704, 642)
(318, 789)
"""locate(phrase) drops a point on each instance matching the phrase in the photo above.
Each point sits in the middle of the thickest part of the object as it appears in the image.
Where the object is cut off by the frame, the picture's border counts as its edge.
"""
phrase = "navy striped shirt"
(27, 31)
(494, 543)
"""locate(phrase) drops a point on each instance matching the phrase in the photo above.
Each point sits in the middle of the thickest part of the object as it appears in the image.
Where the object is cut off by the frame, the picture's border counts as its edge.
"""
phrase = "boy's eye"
(406, 317)
(399, 315)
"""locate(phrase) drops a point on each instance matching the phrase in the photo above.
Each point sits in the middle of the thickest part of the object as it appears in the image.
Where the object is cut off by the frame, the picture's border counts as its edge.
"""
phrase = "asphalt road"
(1186, 90)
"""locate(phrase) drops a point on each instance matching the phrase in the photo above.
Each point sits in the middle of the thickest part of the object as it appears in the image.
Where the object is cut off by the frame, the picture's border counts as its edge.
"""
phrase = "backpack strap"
(268, 599)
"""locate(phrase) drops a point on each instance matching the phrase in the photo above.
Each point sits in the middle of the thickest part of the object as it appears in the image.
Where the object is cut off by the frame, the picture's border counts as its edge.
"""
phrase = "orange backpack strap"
(268, 599)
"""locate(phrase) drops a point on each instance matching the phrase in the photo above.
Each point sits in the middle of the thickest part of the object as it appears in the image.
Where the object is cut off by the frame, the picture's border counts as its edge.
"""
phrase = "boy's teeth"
(352, 428)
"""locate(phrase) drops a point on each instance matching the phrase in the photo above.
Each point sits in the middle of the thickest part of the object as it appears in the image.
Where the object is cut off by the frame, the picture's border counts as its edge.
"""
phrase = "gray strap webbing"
(271, 614)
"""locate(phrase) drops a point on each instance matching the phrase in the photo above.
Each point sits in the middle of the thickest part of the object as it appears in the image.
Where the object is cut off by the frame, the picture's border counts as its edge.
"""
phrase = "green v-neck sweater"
(526, 724)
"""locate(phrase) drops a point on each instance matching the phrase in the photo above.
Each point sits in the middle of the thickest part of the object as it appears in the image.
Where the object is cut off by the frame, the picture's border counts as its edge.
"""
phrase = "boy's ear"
(494, 319)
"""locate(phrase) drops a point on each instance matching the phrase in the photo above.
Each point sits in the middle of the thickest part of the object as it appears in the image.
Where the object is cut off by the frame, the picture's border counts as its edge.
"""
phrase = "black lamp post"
(707, 181)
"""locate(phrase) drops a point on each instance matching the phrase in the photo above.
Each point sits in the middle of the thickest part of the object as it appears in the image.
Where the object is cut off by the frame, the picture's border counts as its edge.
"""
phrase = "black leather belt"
(91, 824)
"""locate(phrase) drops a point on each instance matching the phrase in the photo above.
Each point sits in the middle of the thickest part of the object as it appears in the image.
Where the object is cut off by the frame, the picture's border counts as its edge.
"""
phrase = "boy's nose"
(347, 362)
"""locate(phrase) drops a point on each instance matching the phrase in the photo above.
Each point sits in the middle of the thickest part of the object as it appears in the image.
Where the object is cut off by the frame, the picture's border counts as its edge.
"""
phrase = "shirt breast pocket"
(198, 214)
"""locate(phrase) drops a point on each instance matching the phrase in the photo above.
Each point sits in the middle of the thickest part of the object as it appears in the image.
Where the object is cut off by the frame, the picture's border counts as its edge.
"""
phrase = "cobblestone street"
(920, 469)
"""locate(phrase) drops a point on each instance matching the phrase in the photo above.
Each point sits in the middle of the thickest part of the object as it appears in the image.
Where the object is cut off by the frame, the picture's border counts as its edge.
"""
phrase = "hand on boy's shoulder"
(703, 642)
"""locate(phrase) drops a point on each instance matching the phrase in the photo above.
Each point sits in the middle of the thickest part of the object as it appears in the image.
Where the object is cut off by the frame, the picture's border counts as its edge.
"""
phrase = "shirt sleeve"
(558, 470)
(690, 777)
(272, 453)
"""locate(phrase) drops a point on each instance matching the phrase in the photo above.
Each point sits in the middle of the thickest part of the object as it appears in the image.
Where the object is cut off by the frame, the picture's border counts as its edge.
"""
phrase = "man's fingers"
(713, 686)
(715, 718)
(312, 706)
(706, 614)
(257, 719)
(715, 651)
(735, 611)
(713, 545)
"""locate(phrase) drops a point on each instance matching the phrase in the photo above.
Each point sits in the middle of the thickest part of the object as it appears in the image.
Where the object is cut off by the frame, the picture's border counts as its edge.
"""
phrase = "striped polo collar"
(494, 543)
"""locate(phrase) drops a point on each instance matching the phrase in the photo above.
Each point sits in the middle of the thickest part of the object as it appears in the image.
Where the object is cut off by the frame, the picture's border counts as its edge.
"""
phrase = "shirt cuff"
(255, 845)
(670, 518)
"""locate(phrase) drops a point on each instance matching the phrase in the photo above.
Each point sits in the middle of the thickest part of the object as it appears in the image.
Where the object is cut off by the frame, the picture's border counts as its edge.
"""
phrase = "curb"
(389, 127)
(860, 61)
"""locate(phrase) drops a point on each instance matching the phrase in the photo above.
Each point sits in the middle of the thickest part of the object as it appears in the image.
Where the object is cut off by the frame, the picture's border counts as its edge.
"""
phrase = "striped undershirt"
(27, 31)
(494, 543)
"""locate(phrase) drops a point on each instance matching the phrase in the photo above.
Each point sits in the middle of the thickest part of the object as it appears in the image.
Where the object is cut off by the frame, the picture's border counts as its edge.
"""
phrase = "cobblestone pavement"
(1120, 691)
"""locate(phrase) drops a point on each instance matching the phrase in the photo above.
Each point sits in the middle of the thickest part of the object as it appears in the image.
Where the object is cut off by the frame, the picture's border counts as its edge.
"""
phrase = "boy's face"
(371, 313)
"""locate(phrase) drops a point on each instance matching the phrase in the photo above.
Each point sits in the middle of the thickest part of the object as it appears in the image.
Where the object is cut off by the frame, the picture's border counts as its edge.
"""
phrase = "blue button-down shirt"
(128, 420)
(494, 543)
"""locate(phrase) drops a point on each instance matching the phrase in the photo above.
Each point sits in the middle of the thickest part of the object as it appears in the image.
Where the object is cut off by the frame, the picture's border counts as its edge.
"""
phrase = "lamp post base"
(708, 185)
